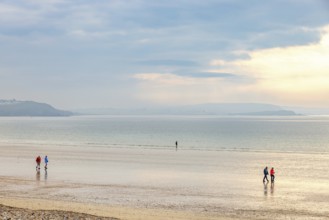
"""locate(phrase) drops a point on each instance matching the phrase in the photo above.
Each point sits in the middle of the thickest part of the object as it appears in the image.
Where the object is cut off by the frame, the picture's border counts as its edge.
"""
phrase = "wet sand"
(70, 190)
(160, 184)
(27, 199)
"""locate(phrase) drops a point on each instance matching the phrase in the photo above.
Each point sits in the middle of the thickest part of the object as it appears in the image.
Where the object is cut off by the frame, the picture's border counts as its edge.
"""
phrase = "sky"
(140, 53)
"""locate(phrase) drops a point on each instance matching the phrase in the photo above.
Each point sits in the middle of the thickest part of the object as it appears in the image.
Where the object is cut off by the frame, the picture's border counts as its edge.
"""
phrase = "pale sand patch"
(124, 213)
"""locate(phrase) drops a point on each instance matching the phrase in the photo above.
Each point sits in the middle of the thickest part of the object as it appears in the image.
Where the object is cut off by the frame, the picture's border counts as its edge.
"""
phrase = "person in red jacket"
(38, 161)
(272, 172)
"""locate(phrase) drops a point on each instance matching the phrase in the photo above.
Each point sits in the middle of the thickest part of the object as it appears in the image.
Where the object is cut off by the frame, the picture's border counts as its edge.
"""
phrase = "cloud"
(168, 63)
(206, 74)
(286, 75)
(183, 77)
(83, 34)
(192, 48)
(175, 89)
(295, 74)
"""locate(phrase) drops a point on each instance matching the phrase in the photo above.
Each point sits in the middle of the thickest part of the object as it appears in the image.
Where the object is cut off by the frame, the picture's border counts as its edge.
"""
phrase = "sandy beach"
(8, 212)
(16, 208)
(65, 191)
(124, 183)
(58, 212)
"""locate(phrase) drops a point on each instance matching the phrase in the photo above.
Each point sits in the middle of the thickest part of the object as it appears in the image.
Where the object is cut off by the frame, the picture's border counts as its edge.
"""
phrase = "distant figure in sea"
(272, 172)
(38, 161)
(46, 162)
(176, 145)
(265, 174)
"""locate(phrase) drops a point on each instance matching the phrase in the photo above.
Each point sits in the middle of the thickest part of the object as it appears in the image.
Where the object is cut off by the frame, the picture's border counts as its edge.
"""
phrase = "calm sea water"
(278, 134)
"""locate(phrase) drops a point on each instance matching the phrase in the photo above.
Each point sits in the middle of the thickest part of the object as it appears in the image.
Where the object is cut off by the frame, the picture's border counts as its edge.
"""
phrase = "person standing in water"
(176, 145)
(38, 161)
(265, 175)
(272, 172)
(46, 162)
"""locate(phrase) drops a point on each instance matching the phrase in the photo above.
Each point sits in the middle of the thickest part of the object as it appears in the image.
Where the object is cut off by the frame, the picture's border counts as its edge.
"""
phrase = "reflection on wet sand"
(37, 177)
(265, 188)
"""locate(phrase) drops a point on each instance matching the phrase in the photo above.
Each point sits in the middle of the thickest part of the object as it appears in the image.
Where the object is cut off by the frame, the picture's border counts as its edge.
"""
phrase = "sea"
(133, 161)
(301, 134)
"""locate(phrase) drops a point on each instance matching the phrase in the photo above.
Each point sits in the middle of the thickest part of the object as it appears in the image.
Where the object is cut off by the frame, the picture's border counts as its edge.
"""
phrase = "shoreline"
(28, 207)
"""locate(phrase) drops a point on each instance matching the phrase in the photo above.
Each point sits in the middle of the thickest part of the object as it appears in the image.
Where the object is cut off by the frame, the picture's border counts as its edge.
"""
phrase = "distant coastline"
(13, 108)
(220, 109)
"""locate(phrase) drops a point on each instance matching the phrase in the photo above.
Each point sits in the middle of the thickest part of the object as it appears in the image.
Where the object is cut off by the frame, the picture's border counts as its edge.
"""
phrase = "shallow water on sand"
(201, 179)
(215, 182)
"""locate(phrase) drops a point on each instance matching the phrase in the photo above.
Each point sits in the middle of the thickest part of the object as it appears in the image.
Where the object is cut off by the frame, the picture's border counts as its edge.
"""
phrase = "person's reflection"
(37, 177)
(46, 176)
(265, 188)
(272, 188)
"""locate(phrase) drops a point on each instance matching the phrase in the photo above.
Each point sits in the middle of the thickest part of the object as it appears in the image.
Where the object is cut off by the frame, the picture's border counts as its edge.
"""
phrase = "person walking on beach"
(265, 174)
(176, 145)
(38, 161)
(46, 162)
(272, 172)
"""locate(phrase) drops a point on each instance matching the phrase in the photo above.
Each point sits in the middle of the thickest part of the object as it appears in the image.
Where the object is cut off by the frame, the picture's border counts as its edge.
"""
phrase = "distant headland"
(29, 108)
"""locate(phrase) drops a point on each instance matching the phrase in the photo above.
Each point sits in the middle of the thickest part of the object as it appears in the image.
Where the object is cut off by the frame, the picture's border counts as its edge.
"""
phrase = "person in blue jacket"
(265, 175)
(46, 162)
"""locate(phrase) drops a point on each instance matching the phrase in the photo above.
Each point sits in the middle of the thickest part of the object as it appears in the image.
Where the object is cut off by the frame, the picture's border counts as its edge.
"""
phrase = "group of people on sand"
(38, 161)
(272, 172)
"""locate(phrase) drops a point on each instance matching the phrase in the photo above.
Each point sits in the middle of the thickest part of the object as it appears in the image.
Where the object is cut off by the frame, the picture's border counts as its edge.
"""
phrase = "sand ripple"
(8, 213)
